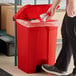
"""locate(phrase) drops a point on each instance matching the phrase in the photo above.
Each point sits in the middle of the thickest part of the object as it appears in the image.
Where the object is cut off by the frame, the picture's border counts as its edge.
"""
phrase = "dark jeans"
(68, 32)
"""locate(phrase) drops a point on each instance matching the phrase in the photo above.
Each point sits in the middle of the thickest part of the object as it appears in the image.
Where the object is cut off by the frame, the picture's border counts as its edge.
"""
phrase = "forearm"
(56, 3)
(71, 1)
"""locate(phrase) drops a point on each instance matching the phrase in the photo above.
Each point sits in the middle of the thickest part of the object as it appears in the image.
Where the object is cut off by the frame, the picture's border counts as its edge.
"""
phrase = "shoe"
(71, 74)
(53, 70)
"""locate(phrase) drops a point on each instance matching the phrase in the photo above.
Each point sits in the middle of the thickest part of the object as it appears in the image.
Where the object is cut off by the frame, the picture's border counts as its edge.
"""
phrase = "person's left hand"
(71, 10)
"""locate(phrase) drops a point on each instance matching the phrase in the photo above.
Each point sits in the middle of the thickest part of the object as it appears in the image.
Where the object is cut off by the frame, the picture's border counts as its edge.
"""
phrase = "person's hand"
(71, 10)
(51, 11)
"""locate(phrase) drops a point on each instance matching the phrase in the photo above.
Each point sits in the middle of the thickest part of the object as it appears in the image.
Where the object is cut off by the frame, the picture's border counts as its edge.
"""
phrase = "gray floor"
(7, 63)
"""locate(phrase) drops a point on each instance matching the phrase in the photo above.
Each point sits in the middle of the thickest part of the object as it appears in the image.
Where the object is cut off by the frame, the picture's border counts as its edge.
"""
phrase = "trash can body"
(35, 46)
(36, 42)
(32, 46)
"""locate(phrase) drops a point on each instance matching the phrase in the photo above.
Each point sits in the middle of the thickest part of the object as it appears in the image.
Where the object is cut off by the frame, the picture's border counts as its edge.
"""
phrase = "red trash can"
(36, 41)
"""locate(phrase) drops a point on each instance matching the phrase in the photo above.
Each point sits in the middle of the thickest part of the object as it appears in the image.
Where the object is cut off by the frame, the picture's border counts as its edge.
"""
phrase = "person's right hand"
(51, 11)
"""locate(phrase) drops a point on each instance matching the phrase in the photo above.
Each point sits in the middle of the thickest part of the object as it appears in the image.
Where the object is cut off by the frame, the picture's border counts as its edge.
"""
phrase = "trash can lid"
(32, 11)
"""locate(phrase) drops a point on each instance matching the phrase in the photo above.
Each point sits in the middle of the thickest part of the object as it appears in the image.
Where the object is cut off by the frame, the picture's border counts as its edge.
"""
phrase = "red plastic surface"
(35, 45)
(32, 11)
(32, 46)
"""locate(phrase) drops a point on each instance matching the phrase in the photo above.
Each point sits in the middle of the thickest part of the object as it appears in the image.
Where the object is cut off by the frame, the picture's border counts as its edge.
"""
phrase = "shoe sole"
(52, 72)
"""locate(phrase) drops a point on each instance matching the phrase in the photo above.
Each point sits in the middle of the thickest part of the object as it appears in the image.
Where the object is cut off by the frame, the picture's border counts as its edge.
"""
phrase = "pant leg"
(71, 30)
(64, 57)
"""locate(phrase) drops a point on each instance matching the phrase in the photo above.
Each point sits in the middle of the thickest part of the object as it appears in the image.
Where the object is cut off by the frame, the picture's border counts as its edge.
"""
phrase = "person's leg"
(74, 46)
(64, 57)
(71, 29)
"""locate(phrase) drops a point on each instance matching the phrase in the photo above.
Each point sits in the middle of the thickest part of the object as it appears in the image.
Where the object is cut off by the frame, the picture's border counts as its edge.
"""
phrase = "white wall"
(32, 2)
(62, 4)
(24, 2)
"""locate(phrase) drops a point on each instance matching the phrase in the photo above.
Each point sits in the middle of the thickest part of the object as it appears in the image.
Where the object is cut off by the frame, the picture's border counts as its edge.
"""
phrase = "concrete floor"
(7, 63)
